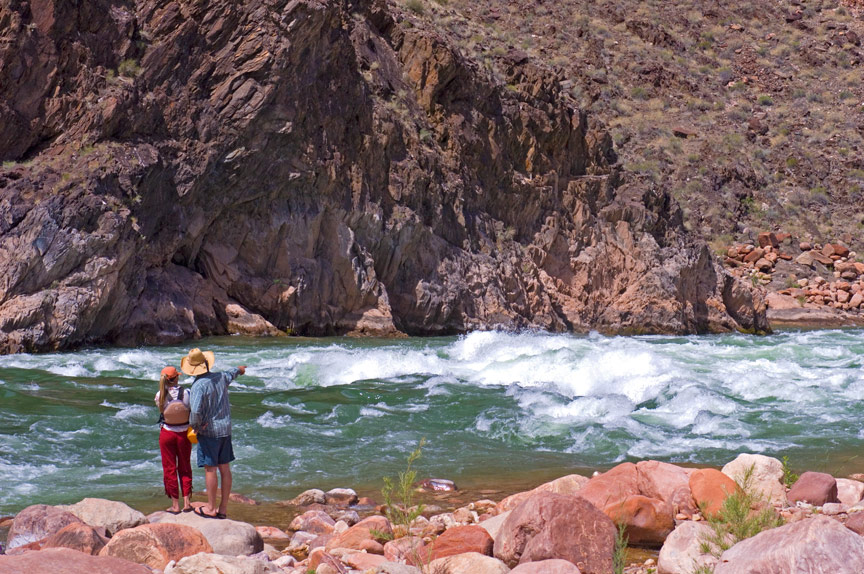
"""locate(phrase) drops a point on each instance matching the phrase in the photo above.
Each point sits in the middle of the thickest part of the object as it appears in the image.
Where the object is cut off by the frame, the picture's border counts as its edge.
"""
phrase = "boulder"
(77, 536)
(764, 264)
(838, 249)
(437, 485)
(459, 540)
(666, 482)
(855, 523)
(554, 566)
(549, 525)
(315, 521)
(37, 522)
(349, 517)
(570, 484)
(710, 488)
(155, 545)
(681, 552)
(242, 499)
(766, 478)
(612, 486)
(67, 561)
(307, 497)
(754, 255)
(301, 542)
(648, 521)
(228, 537)
(405, 549)
(767, 238)
(816, 488)
(849, 491)
(396, 568)
(374, 529)
(272, 533)
(493, 525)
(340, 497)
(806, 258)
(111, 515)
(243, 322)
(364, 561)
(220, 564)
(818, 544)
(472, 562)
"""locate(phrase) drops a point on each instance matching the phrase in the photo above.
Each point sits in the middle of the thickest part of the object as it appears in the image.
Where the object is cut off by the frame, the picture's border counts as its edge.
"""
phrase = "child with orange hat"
(173, 403)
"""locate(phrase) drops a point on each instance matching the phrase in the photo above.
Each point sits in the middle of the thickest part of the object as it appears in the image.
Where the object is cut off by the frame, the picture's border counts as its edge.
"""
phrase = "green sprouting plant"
(789, 477)
(738, 518)
(703, 569)
(399, 493)
(400, 508)
(619, 554)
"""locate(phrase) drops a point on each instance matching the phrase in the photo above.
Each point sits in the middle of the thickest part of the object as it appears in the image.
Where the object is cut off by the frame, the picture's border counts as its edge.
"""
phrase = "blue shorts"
(214, 451)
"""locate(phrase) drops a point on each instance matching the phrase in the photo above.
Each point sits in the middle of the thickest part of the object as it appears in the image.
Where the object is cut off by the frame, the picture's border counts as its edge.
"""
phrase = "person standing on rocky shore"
(173, 403)
(210, 416)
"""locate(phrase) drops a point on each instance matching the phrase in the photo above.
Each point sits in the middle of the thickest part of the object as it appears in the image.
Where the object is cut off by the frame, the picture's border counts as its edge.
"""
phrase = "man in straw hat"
(210, 416)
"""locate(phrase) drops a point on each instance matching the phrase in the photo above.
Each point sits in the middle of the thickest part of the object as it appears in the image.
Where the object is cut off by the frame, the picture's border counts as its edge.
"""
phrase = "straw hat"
(197, 362)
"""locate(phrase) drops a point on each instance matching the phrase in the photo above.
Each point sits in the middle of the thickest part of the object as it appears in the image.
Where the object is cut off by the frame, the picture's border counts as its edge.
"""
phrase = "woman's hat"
(170, 373)
(197, 362)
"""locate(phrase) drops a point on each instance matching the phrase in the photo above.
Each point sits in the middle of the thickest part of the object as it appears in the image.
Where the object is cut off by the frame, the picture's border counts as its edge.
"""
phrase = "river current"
(493, 407)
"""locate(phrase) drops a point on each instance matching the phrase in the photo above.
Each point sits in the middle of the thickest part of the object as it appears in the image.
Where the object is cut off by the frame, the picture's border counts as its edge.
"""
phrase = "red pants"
(176, 449)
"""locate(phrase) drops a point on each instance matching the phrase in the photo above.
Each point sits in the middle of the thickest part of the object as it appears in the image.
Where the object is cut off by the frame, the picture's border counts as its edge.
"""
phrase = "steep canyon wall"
(175, 169)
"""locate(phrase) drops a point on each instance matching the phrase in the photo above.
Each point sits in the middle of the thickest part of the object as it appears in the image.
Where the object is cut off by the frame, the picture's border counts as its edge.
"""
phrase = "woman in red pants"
(173, 403)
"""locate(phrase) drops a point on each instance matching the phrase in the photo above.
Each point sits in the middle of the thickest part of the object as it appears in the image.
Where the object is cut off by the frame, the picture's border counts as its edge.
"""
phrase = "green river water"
(500, 412)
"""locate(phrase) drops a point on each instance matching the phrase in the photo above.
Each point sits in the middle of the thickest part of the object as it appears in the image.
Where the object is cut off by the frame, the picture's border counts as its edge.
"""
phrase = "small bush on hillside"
(416, 6)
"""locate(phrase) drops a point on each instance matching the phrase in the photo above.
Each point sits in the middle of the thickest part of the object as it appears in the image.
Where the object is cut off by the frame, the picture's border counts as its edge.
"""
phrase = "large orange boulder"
(458, 540)
(77, 536)
(612, 486)
(648, 521)
(549, 525)
(67, 561)
(666, 482)
(369, 534)
(37, 522)
(155, 545)
(710, 487)
(570, 484)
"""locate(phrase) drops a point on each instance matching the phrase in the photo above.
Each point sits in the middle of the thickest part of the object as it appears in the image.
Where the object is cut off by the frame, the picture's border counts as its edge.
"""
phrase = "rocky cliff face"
(174, 169)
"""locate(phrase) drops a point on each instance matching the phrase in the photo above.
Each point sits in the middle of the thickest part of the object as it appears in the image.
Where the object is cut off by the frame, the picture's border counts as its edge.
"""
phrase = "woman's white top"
(173, 392)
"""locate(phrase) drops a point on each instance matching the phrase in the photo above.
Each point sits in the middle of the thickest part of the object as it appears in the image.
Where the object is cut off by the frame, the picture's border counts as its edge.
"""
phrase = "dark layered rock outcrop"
(319, 168)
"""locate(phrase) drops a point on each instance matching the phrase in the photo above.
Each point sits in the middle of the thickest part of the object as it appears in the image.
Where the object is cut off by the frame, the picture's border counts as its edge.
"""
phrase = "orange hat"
(170, 372)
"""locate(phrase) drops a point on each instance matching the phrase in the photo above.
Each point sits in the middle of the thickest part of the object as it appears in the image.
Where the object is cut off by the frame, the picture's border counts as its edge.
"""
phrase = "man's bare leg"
(225, 472)
(211, 481)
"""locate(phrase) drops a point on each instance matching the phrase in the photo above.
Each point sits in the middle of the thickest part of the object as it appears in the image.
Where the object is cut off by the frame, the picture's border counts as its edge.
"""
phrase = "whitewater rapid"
(337, 411)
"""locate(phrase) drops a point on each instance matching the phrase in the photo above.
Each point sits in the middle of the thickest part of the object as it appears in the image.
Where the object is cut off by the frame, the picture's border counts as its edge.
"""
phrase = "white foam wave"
(269, 420)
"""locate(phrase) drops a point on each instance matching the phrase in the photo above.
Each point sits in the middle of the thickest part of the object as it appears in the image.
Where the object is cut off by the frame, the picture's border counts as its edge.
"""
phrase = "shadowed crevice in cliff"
(319, 168)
